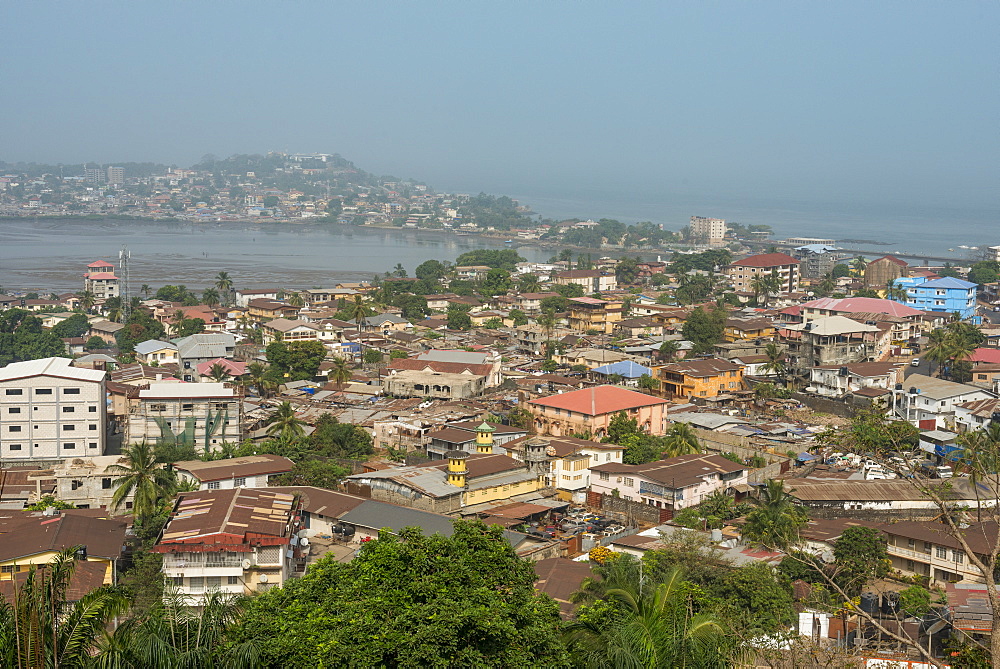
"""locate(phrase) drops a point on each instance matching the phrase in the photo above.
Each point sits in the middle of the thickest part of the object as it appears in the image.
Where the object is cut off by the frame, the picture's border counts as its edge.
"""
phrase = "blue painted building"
(948, 295)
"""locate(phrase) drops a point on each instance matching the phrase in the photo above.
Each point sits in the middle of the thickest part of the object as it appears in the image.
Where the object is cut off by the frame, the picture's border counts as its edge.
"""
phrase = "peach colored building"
(589, 411)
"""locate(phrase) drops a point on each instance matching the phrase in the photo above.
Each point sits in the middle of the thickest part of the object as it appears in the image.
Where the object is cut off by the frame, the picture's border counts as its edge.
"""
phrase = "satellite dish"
(246, 564)
(302, 533)
(263, 578)
(303, 542)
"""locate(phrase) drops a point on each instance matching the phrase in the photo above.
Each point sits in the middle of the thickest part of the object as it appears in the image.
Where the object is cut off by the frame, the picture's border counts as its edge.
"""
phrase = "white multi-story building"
(203, 415)
(237, 541)
(51, 410)
(708, 229)
(100, 280)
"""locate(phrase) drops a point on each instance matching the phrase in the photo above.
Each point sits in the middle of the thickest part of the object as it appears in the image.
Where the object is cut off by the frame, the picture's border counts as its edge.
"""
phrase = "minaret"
(484, 438)
(457, 469)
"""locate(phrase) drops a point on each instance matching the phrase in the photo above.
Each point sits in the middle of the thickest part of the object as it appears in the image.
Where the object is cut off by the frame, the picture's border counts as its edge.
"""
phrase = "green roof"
(485, 427)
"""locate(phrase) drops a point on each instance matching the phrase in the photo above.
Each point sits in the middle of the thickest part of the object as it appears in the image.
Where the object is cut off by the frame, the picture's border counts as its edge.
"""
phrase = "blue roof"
(805, 457)
(627, 368)
(947, 282)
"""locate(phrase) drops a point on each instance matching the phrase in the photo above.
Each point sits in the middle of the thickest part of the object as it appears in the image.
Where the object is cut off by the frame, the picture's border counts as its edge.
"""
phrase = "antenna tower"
(123, 258)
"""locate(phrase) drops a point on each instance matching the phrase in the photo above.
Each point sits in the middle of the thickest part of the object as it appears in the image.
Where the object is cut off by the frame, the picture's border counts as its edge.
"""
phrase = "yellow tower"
(484, 438)
(457, 469)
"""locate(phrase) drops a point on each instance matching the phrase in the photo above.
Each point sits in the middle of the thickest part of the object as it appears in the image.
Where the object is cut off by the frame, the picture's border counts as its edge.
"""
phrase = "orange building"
(589, 411)
(706, 377)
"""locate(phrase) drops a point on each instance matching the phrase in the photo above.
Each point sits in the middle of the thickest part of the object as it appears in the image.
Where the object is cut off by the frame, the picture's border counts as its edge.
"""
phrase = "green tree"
(496, 282)
(458, 320)
(500, 259)
(188, 326)
(95, 342)
(680, 440)
(627, 271)
(860, 556)
(647, 382)
(313, 473)
(138, 472)
(668, 350)
(340, 373)
(87, 300)
(218, 372)
(294, 361)
(284, 424)
(760, 596)
(528, 283)
(224, 284)
(76, 325)
(22, 338)
(430, 270)
(915, 600)
(411, 600)
(518, 316)
(210, 297)
(704, 329)
(841, 270)
(776, 521)
(340, 440)
(413, 307)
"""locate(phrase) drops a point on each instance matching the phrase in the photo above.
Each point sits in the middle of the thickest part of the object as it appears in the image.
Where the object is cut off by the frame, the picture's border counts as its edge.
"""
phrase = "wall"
(720, 442)
(632, 510)
(825, 405)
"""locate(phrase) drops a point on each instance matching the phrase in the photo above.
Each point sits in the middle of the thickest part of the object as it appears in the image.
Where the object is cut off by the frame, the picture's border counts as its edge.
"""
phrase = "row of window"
(957, 556)
(43, 391)
(65, 409)
(238, 482)
(65, 428)
(200, 583)
(69, 446)
(187, 407)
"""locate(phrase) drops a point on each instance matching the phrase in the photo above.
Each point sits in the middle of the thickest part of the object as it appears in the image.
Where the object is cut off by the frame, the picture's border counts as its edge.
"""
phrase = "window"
(942, 552)
(43, 391)
(69, 445)
(69, 409)
(10, 568)
(75, 484)
(13, 391)
(910, 543)
(14, 410)
(157, 407)
(958, 556)
(187, 407)
(213, 485)
(93, 428)
(909, 565)
(14, 428)
(15, 447)
(240, 481)
(197, 583)
(232, 580)
(213, 582)
(69, 428)
(105, 484)
(177, 581)
(92, 409)
(71, 391)
(92, 444)
(630, 483)
(604, 476)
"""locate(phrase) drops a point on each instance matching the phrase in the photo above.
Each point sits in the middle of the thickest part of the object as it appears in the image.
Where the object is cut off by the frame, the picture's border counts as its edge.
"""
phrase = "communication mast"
(123, 258)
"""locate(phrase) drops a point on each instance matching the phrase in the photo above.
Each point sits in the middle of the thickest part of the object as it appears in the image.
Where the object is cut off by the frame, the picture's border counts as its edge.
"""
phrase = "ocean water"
(899, 228)
(51, 256)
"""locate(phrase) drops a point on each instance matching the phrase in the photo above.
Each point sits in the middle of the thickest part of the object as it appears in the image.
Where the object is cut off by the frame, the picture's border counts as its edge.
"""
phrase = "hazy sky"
(880, 102)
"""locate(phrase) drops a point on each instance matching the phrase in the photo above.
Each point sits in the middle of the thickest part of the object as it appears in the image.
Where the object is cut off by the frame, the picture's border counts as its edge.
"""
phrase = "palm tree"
(256, 371)
(680, 440)
(357, 312)
(42, 629)
(284, 424)
(775, 359)
(113, 307)
(145, 289)
(894, 291)
(776, 521)
(296, 300)
(210, 297)
(340, 373)
(87, 300)
(218, 372)
(529, 283)
(859, 264)
(826, 285)
(656, 629)
(939, 348)
(225, 286)
(763, 285)
(142, 475)
(399, 271)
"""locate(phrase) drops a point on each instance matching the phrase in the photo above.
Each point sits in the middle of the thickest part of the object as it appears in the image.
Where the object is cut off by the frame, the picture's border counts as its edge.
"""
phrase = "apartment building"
(708, 230)
(591, 280)
(100, 280)
(926, 548)
(51, 410)
(202, 415)
(702, 378)
(590, 410)
(238, 541)
(785, 267)
(588, 313)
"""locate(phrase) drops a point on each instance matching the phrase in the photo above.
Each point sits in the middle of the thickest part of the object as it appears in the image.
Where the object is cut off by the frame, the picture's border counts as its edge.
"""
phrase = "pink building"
(589, 411)
(674, 483)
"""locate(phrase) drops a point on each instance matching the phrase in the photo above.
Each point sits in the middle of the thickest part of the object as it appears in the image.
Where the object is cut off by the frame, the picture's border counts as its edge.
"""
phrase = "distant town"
(813, 434)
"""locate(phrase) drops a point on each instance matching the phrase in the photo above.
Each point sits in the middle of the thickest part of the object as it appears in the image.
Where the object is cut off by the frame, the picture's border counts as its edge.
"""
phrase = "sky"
(860, 102)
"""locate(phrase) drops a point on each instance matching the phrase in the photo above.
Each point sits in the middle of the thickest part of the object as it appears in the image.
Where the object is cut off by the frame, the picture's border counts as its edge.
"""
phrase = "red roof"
(100, 263)
(892, 259)
(599, 400)
(233, 368)
(767, 260)
(101, 275)
(991, 355)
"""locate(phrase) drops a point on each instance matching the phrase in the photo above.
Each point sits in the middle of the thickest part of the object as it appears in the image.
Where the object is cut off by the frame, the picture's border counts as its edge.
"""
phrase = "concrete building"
(785, 267)
(839, 380)
(834, 340)
(466, 435)
(708, 230)
(700, 378)
(673, 483)
(100, 280)
(51, 410)
(926, 548)
(589, 313)
(590, 410)
(202, 415)
(879, 272)
(564, 462)
(160, 352)
(249, 471)
(116, 176)
(235, 541)
(946, 296)
(817, 260)
(931, 402)
(591, 280)
(204, 347)
(434, 385)
(86, 482)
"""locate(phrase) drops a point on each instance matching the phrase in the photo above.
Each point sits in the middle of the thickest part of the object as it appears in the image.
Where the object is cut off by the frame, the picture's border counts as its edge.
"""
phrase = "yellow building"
(746, 329)
(31, 538)
(700, 378)
(589, 313)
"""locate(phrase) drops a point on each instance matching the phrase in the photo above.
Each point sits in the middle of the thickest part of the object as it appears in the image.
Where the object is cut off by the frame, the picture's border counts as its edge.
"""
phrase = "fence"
(631, 510)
